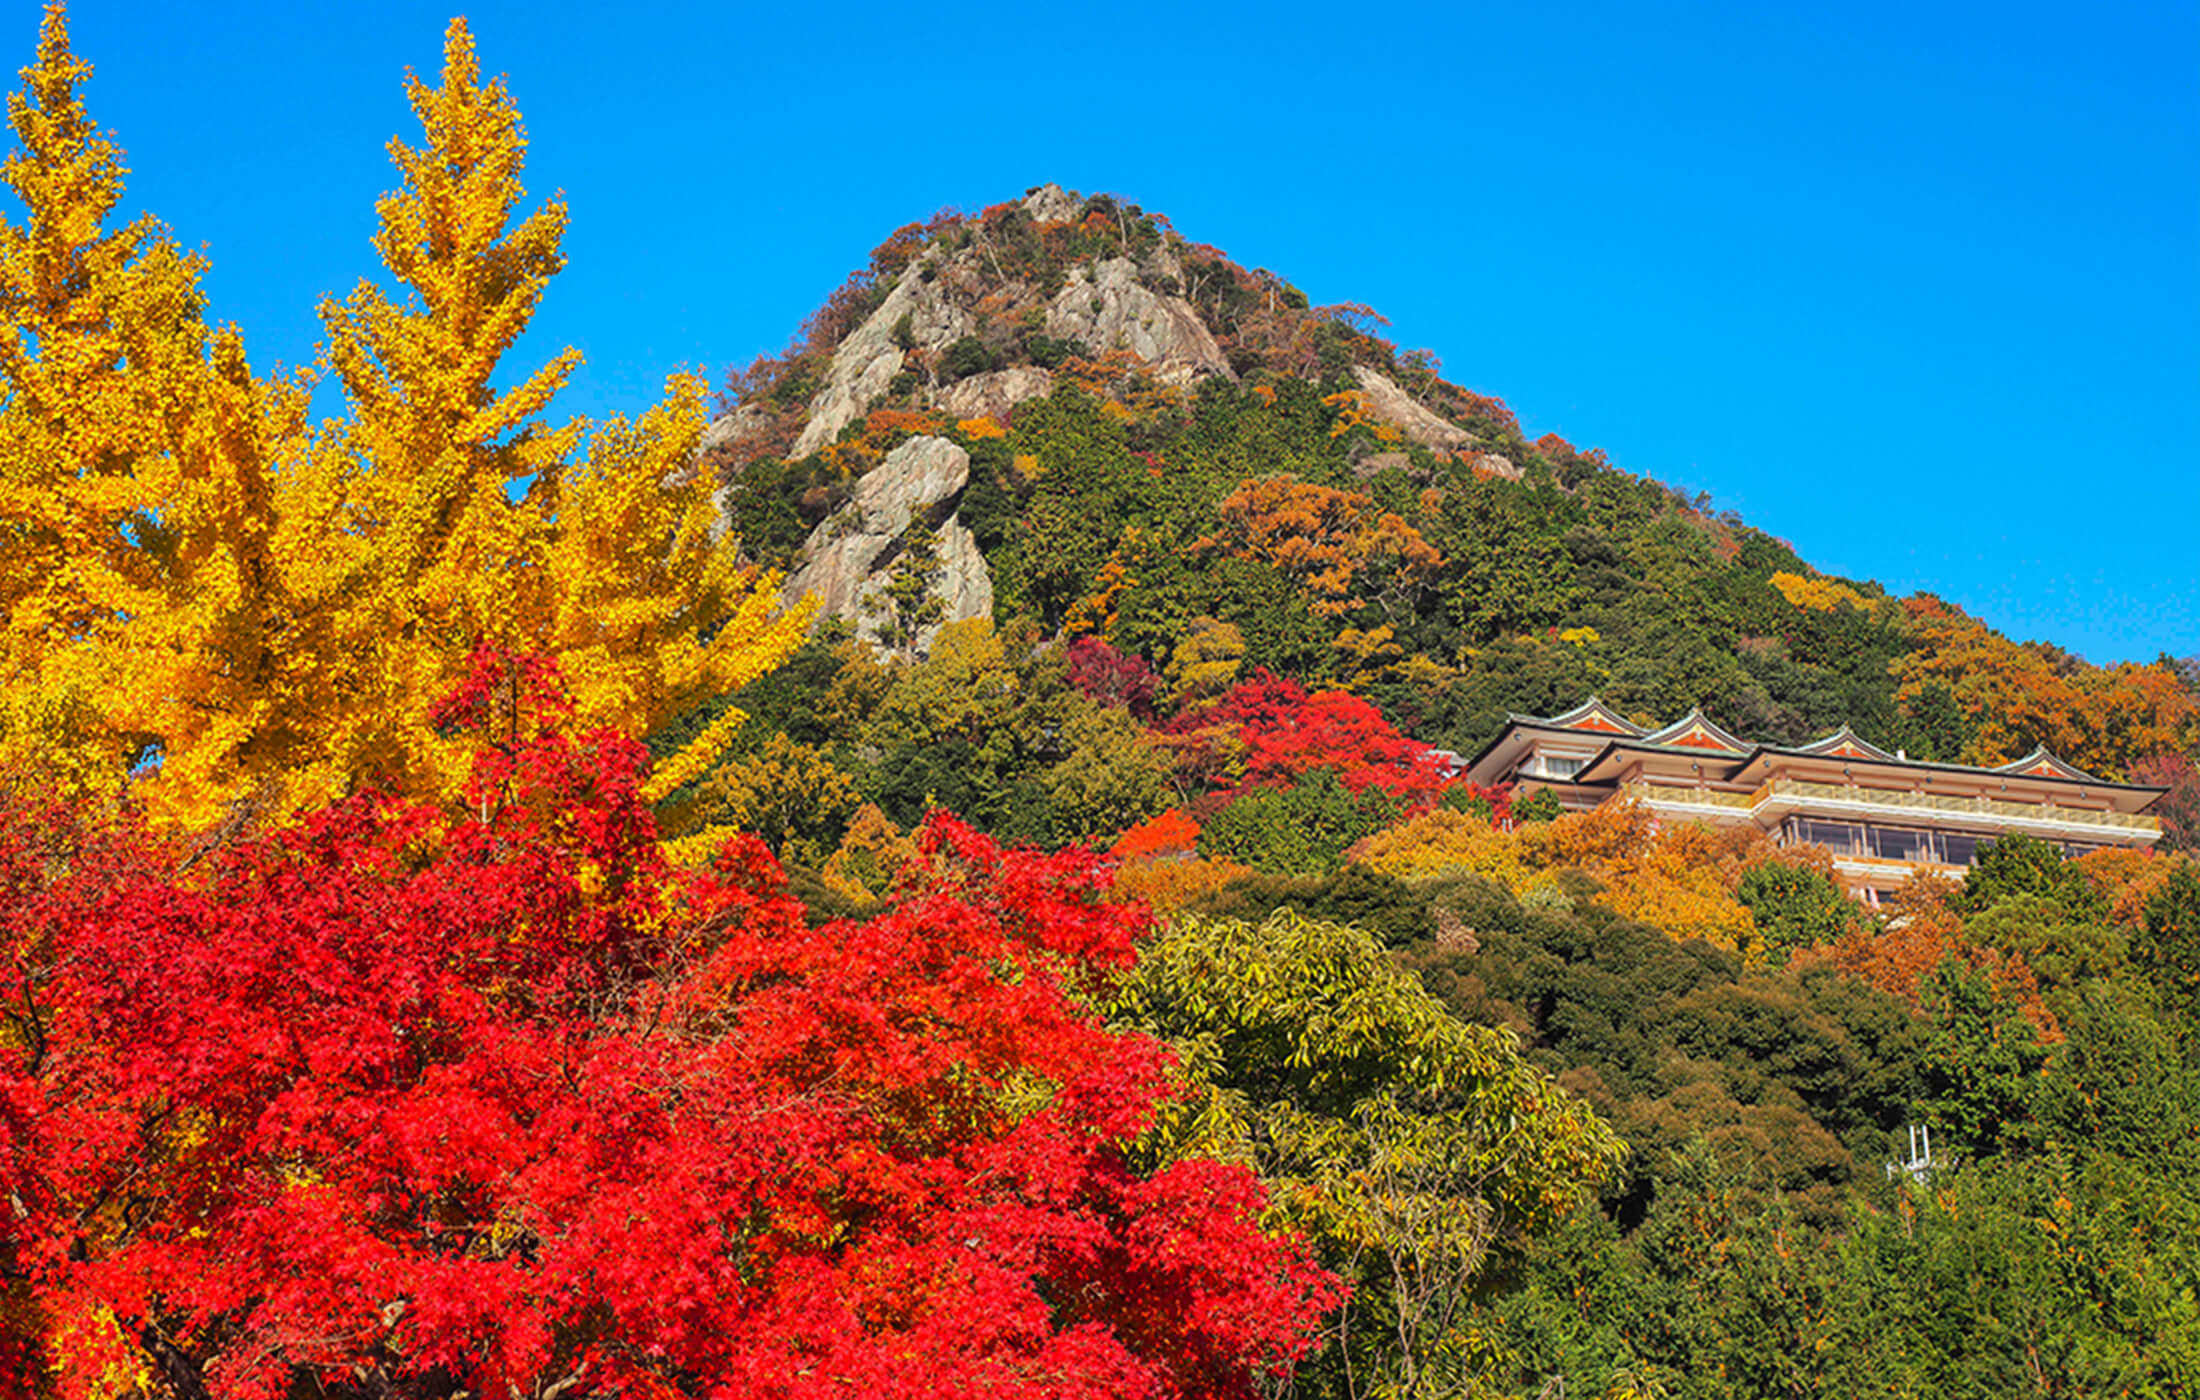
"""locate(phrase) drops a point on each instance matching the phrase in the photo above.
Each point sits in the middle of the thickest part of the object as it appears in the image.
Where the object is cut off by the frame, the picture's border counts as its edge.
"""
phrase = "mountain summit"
(971, 315)
(1063, 415)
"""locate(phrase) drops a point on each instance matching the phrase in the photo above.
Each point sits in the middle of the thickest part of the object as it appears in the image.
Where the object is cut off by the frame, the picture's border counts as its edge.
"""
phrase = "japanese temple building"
(1882, 815)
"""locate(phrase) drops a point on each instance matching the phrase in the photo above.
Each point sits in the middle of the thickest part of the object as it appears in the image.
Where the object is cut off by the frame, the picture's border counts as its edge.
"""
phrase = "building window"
(1959, 847)
(1900, 843)
(1545, 765)
(1837, 837)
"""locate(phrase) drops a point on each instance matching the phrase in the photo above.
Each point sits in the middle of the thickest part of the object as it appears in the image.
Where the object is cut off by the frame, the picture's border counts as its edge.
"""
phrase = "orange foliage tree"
(2104, 719)
(1918, 930)
(1335, 544)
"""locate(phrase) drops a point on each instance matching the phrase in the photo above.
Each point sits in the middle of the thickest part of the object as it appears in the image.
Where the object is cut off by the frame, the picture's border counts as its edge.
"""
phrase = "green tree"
(1415, 1150)
(1982, 1061)
(2020, 864)
(910, 601)
(2169, 949)
(1794, 906)
(1112, 778)
(2071, 955)
(1539, 806)
(1300, 830)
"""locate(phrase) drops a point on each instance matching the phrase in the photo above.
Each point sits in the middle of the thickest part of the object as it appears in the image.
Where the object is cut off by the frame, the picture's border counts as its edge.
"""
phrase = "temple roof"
(1844, 743)
(2041, 764)
(1693, 731)
(1591, 715)
(1719, 756)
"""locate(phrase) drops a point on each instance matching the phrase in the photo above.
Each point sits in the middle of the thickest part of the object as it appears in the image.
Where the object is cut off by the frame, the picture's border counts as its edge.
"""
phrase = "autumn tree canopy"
(264, 611)
(402, 1100)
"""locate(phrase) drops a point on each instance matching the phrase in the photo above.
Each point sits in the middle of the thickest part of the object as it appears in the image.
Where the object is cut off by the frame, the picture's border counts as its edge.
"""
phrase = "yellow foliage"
(873, 856)
(103, 366)
(1372, 653)
(2127, 880)
(1445, 842)
(1353, 411)
(94, 1357)
(1206, 658)
(273, 608)
(1171, 883)
(1095, 612)
(1336, 544)
(981, 428)
(785, 792)
(1678, 879)
(1681, 900)
(1817, 594)
(1595, 840)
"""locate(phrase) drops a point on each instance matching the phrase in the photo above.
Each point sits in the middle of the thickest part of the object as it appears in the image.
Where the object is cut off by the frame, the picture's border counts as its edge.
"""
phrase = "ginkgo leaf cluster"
(258, 610)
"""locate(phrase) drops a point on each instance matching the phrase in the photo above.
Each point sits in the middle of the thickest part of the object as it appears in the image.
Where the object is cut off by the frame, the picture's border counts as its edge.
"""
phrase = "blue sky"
(1916, 288)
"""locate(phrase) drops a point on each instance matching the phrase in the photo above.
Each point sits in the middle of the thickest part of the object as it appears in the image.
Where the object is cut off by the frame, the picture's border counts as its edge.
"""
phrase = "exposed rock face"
(965, 583)
(867, 361)
(1051, 204)
(1496, 465)
(1395, 406)
(731, 427)
(848, 559)
(993, 394)
(1375, 464)
(1106, 306)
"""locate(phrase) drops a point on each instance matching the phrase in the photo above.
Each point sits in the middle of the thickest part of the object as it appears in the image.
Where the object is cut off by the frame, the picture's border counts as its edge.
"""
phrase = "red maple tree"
(410, 1103)
(1276, 733)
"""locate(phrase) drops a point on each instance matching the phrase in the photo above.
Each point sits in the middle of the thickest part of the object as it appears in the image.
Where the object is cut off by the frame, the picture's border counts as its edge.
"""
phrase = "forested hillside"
(942, 880)
(1161, 441)
(1184, 462)
(1246, 565)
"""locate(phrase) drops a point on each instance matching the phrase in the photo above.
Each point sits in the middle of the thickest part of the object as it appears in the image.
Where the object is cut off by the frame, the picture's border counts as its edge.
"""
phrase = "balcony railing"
(1663, 795)
(1945, 806)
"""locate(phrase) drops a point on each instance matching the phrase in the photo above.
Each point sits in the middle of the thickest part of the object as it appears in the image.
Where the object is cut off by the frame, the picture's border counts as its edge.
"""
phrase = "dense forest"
(472, 921)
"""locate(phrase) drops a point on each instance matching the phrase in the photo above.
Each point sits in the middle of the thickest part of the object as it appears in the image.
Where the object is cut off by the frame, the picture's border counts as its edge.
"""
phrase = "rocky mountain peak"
(967, 316)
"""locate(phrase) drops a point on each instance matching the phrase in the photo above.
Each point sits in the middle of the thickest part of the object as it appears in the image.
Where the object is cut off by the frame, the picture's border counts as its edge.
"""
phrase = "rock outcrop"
(1396, 407)
(1107, 307)
(849, 558)
(866, 362)
(1051, 204)
(993, 394)
(965, 584)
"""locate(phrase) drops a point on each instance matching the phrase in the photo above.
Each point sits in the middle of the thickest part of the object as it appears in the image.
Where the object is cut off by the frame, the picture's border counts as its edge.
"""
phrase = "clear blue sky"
(1916, 288)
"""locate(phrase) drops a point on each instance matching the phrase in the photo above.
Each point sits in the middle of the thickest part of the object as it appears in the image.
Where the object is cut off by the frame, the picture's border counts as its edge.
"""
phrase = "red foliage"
(1283, 733)
(404, 1102)
(1109, 677)
(1173, 833)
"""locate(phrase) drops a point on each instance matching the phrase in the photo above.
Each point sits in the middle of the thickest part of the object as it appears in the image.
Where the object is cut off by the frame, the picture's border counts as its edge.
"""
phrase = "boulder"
(965, 584)
(1051, 204)
(729, 428)
(993, 394)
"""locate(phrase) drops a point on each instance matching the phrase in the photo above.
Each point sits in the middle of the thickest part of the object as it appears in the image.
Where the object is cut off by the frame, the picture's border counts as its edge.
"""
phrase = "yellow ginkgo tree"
(103, 350)
(272, 606)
